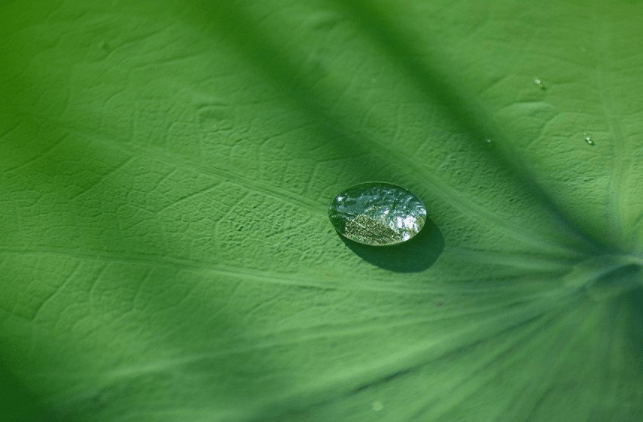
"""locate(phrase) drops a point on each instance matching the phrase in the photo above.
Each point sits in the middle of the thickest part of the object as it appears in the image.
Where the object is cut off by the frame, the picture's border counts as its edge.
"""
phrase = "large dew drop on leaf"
(377, 214)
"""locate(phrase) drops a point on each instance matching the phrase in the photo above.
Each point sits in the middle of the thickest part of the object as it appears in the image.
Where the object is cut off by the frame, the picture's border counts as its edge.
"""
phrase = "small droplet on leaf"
(377, 214)
(588, 140)
(539, 83)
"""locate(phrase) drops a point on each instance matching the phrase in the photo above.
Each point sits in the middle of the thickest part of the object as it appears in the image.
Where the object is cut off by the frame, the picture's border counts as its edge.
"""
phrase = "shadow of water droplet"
(416, 255)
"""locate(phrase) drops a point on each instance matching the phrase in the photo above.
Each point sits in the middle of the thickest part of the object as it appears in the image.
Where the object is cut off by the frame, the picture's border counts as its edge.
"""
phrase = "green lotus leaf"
(165, 175)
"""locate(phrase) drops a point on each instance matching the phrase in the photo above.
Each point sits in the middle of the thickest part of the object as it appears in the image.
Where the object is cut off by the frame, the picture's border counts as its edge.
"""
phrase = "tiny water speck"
(488, 140)
(539, 83)
(589, 140)
(377, 214)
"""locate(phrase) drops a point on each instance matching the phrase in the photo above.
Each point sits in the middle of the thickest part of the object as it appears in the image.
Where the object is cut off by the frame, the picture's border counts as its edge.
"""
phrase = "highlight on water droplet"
(588, 140)
(488, 140)
(539, 83)
(377, 214)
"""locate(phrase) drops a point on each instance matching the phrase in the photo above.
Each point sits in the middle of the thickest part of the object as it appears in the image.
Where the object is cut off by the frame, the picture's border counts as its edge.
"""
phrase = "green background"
(165, 171)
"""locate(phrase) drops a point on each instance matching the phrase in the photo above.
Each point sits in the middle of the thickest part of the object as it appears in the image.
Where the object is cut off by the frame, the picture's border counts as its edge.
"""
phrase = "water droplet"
(377, 406)
(538, 82)
(488, 140)
(589, 140)
(377, 214)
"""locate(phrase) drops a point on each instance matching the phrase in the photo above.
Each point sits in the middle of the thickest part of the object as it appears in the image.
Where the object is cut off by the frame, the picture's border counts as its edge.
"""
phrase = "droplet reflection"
(377, 214)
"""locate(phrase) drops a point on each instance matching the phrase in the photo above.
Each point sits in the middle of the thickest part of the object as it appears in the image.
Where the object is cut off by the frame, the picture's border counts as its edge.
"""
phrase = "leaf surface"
(165, 172)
